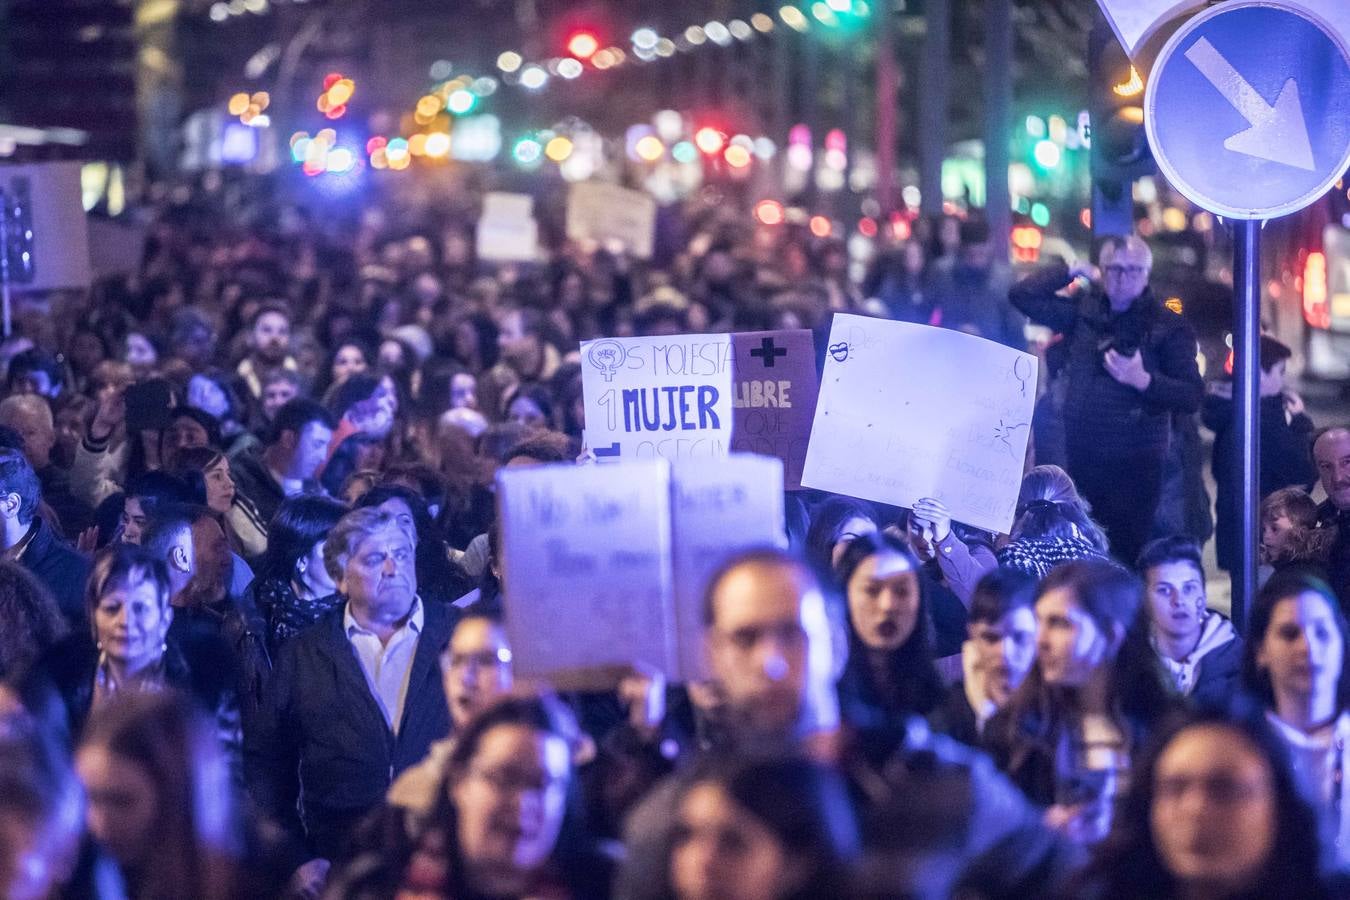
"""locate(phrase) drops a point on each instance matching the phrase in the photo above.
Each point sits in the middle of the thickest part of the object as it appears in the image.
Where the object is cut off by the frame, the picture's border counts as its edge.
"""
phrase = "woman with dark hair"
(438, 580)
(1213, 811)
(160, 799)
(351, 356)
(530, 405)
(834, 524)
(293, 588)
(30, 620)
(213, 392)
(1295, 665)
(889, 675)
(1095, 690)
(207, 474)
(504, 823)
(779, 829)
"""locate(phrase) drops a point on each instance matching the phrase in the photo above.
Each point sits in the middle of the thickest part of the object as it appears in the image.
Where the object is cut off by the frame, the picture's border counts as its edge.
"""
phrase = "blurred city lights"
(718, 33)
(438, 145)
(737, 156)
(1048, 154)
(533, 77)
(820, 226)
(509, 61)
(558, 149)
(793, 18)
(583, 45)
(650, 148)
(645, 39)
(461, 101)
(340, 160)
(1040, 214)
(770, 212)
(684, 152)
(238, 103)
(527, 150)
(740, 29)
(695, 35)
(709, 140)
(570, 68)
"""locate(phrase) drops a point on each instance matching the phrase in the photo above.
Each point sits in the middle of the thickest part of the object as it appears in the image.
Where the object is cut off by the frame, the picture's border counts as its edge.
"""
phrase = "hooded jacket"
(1212, 671)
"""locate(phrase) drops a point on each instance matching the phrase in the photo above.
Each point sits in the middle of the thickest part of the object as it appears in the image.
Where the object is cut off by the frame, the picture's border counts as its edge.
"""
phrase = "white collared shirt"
(388, 667)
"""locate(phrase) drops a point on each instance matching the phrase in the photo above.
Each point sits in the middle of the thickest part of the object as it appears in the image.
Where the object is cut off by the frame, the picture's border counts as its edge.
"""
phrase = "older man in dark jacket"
(1130, 367)
(354, 700)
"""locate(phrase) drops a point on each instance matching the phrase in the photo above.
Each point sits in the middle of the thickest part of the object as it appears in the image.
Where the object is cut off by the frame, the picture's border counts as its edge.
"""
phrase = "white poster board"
(586, 562)
(606, 212)
(717, 511)
(909, 411)
(507, 230)
(54, 212)
(667, 397)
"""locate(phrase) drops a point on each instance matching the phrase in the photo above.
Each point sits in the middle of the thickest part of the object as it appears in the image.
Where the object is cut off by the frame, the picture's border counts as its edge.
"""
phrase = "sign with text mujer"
(658, 397)
(909, 411)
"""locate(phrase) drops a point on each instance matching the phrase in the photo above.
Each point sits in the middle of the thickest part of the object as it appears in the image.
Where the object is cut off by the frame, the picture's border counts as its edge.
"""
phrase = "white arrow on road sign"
(1278, 132)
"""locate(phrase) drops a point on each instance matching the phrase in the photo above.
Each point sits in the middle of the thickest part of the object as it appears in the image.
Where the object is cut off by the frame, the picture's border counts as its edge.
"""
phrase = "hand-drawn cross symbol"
(768, 352)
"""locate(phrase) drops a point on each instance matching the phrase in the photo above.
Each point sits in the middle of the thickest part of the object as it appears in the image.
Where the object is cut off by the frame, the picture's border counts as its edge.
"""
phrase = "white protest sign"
(507, 230)
(587, 568)
(50, 206)
(717, 510)
(910, 411)
(668, 397)
(606, 212)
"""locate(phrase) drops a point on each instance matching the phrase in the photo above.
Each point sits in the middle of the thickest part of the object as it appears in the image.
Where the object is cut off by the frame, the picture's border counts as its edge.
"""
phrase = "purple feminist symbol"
(607, 356)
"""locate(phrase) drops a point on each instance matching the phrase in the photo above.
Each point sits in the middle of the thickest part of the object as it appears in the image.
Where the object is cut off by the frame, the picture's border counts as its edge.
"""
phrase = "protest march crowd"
(256, 625)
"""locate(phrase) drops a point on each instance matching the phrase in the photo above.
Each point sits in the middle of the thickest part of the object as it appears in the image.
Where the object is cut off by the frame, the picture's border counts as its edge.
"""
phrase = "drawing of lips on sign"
(839, 351)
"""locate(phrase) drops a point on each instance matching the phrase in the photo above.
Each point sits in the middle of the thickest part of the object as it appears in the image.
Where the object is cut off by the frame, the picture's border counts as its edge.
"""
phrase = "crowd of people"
(253, 634)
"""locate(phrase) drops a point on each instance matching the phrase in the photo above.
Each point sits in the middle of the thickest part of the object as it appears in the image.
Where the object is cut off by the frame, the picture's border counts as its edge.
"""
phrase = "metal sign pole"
(1247, 409)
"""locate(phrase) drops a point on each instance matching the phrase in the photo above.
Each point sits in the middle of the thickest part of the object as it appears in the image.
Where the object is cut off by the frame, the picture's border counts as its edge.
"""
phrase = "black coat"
(321, 735)
(1104, 419)
(1286, 461)
(63, 569)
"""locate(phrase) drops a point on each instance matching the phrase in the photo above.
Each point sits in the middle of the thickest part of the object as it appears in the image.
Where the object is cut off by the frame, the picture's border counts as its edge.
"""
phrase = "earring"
(98, 645)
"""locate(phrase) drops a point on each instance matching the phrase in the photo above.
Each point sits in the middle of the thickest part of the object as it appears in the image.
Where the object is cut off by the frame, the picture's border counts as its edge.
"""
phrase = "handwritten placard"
(717, 511)
(507, 230)
(658, 397)
(586, 557)
(606, 212)
(775, 399)
(909, 411)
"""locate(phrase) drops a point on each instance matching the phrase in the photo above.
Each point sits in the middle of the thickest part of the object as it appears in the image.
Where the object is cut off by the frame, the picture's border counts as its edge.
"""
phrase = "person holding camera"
(1130, 366)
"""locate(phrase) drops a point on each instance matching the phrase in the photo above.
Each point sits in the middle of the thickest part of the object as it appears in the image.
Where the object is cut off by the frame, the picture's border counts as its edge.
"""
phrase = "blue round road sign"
(1248, 109)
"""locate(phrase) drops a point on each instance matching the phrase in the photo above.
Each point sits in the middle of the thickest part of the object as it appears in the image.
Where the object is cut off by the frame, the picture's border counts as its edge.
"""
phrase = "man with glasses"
(1129, 365)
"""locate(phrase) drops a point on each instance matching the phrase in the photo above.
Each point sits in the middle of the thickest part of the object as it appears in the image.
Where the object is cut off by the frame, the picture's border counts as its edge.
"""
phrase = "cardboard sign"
(717, 510)
(606, 212)
(605, 567)
(910, 411)
(507, 230)
(587, 568)
(667, 397)
(51, 208)
(775, 399)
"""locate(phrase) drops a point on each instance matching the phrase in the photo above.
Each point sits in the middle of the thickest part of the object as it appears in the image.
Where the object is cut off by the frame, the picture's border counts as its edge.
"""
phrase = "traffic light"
(1120, 153)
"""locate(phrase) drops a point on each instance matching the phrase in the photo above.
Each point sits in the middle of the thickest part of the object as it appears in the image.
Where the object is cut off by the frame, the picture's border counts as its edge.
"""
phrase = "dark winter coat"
(63, 569)
(1103, 418)
(320, 734)
(1286, 461)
